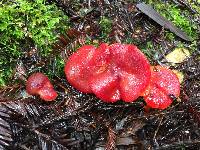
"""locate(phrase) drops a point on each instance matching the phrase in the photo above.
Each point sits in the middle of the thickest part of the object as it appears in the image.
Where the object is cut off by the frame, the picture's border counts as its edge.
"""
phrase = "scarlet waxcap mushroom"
(39, 84)
(118, 71)
(133, 69)
(164, 84)
(77, 68)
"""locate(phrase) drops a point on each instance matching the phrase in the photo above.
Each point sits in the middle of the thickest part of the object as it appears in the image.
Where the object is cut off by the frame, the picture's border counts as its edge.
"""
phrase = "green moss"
(177, 15)
(6, 74)
(106, 28)
(106, 25)
(148, 50)
(195, 6)
(26, 20)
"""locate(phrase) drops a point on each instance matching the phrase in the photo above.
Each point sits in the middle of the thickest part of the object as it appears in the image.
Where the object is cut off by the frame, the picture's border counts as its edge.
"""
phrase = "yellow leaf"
(178, 55)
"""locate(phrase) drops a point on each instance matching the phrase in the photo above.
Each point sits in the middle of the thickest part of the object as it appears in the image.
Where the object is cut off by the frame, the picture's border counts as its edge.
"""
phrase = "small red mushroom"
(164, 84)
(118, 71)
(39, 84)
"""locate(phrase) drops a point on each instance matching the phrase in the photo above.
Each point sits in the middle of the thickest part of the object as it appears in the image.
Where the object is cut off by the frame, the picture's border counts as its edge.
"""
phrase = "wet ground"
(81, 121)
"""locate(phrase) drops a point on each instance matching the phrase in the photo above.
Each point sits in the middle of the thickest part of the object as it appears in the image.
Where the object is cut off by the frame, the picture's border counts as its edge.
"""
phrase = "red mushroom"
(163, 85)
(78, 68)
(39, 84)
(118, 71)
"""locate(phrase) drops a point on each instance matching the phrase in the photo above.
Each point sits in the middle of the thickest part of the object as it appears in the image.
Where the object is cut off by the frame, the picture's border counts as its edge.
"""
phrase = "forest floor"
(81, 121)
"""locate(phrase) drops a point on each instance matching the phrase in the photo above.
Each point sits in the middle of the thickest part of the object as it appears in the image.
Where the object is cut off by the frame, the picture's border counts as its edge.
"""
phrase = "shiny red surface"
(39, 84)
(164, 83)
(111, 72)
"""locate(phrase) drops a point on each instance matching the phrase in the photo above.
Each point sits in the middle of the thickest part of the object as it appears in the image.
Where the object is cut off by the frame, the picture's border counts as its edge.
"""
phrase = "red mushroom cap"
(39, 84)
(118, 71)
(77, 68)
(163, 84)
(133, 69)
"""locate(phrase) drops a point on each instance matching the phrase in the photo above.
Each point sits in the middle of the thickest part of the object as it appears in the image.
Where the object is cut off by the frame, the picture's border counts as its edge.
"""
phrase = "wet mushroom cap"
(164, 84)
(118, 71)
(39, 84)
(77, 68)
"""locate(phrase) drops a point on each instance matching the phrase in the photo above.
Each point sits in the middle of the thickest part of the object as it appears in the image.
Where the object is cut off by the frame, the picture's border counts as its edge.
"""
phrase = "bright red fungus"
(78, 70)
(164, 84)
(118, 71)
(39, 84)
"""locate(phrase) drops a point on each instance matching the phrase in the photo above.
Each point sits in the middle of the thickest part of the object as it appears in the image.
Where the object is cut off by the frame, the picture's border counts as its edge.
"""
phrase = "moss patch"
(23, 23)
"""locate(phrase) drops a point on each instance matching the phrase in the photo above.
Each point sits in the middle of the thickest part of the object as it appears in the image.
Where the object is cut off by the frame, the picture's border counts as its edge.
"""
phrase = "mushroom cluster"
(121, 72)
(113, 72)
